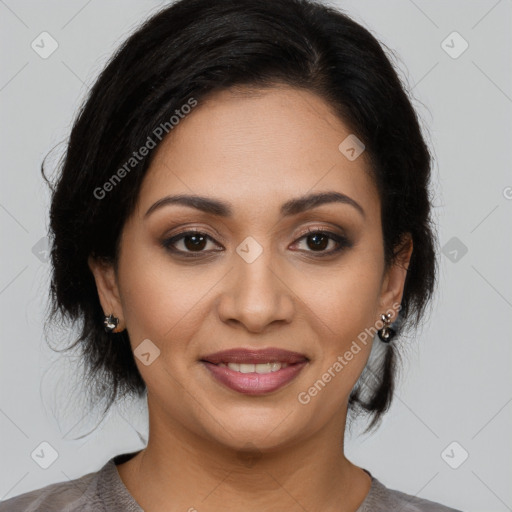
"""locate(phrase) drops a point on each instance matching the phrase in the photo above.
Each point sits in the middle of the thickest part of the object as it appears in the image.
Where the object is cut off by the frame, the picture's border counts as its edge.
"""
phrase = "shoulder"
(382, 499)
(77, 495)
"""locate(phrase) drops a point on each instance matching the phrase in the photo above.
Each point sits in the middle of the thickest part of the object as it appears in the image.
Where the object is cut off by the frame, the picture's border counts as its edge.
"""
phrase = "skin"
(255, 150)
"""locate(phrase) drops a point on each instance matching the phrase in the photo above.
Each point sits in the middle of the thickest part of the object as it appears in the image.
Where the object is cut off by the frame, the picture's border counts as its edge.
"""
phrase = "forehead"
(254, 148)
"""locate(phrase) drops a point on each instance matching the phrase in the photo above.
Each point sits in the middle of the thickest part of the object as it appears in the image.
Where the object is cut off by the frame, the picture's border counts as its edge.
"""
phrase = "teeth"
(255, 368)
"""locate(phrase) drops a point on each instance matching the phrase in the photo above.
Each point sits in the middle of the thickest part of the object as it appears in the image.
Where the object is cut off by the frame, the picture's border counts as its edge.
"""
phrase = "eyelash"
(342, 242)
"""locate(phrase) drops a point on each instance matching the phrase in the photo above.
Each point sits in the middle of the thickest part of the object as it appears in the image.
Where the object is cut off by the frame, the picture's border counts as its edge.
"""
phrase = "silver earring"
(386, 334)
(110, 322)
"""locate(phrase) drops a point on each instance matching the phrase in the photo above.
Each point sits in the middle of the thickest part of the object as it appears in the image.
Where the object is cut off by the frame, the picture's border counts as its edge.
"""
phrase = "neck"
(191, 472)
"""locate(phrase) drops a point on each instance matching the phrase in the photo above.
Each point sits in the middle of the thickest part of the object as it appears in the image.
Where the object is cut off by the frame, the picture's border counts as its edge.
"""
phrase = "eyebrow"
(223, 209)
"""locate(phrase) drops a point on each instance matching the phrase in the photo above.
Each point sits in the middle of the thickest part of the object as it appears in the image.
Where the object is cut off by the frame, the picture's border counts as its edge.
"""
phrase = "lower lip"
(254, 383)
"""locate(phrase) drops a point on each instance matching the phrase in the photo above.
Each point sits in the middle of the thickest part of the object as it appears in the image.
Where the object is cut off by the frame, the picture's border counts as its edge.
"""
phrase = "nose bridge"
(256, 295)
(255, 274)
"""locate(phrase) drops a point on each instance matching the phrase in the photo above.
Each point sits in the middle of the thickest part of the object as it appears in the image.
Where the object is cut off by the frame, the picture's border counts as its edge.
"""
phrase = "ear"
(394, 279)
(108, 291)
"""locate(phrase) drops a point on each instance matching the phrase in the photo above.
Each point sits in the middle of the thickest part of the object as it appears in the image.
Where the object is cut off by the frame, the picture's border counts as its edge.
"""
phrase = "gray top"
(104, 491)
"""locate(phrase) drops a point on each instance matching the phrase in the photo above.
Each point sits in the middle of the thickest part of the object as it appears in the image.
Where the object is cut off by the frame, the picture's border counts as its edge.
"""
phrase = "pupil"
(198, 243)
(317, 244)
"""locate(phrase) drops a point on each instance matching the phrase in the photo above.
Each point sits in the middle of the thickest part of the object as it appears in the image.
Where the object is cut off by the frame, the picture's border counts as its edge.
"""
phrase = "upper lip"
(253, 356)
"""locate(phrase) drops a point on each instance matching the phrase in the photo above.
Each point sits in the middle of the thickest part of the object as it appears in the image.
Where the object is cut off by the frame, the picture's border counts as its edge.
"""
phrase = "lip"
(253, 356)
(254, 383)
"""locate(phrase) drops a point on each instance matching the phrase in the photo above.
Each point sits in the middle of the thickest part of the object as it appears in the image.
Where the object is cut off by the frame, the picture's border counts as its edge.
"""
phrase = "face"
(254, 275)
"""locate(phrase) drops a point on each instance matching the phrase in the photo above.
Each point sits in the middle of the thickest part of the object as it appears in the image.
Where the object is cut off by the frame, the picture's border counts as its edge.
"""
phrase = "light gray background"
(457, 382)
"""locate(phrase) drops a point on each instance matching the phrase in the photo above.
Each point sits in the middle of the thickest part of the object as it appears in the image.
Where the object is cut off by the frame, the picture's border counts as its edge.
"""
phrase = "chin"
(266, 430)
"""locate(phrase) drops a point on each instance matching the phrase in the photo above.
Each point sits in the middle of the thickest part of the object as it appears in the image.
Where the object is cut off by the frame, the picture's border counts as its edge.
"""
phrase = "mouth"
(254, 372)
(261, 368)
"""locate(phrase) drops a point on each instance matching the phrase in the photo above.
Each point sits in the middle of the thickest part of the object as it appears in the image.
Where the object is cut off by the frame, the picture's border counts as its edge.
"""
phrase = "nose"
(256, 294)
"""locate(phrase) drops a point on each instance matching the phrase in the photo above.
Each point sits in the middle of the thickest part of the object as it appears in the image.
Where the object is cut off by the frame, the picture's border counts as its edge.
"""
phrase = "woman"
(241, 225)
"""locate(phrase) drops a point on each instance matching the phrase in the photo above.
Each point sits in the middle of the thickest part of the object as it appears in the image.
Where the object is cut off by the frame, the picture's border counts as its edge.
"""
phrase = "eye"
(188, 243)
(194, 243)
(317, 240)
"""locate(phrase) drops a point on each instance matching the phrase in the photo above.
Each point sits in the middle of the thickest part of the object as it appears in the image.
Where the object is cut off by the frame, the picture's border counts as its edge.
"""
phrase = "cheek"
(161, 309)
(158, 302)
(343, 304)
(166, 307)
(346, 299)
